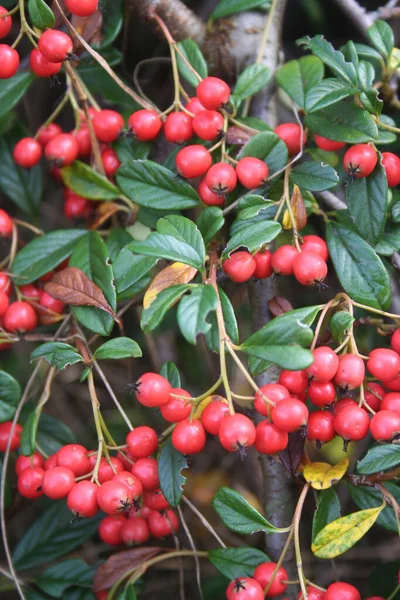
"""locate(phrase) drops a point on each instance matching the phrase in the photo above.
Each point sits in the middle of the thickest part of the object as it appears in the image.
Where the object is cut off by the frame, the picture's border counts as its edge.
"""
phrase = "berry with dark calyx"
(384, 364)
(58, 482)
(320, 428)
(177, 409)
(55, 45)
(295, 381)
(41, 66)
(385, 426)
(110, 529)
(321, 394)
(5, 430)
(4, 303)
(236, 433)
(155, 500)
(213, 93)
(193, 161)
(325, 364)
(82, 136)
(292, 135)
(146, 470)
(114, 497)
(74, 457)
(178, 128)
(108, 468)
(194, 106)
(360, 160)
(142, 441)
(342, 591)
(313, 594)
(62, 150)
(82, 499)
(47, 133)
(309, 268)
(313, 243)
(135, 531)
(263, 575)
(107, 125)
(395, 341)
(290, 414)
(373, 395)
(352, 423)
(263, 268)
(275, 392)
(270, 439)
(82, 8)
(51, 303)
(328, 145)
(283, 258)
(351, 371)
(162, 524)
(30, 483)
(251, 172)
(244, 588)
(5, 22)
(152, 390)
(26, 462)
(213, 414)
(9, 61)
(145, 124)
(20, 316)
(208, 196)
(111, 162)
(221, 178)
(6, 228)
(391, 402)
(240, 266)
(391, 164)
(208, 124)
(189, 437)
(76, 207)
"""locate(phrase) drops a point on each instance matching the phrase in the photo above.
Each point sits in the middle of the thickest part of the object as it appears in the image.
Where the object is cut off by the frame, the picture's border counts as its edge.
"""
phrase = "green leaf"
(237, 514)
(396, 212)
(28, 436)
(52, 434)
(237, 562)
(343, 122)
(296, 77)
(57, 354)
(267, 146)
(170, 464)
(91, 256)
(379, 458)
(384, 578)
(340, 324)
(385, 136)
(194, 56)
(117, 239)
(367, 199)
(390, 241)
(152, 316)
(367, 497)
(292, 357)
(130, 271)
(314, 176)
(150, 184)
(40, 14)
(129, 149)
(359, 269)
(228, 7)
(178, 239)
(10, 393)
(12, 90)
(326, 93)
(328, 510)
(367, 52)
(122, 347)
(44, 253)
(127, 594)
(57, 578)
(331, 57)
(52, 536)
(381, 37)
(251, 205)
(112, 14)
(194, 309)
(251, 81)
(100, 82)
(253, 236)
(86, 182)
(210, 221)
(170, 371)
(231, 326)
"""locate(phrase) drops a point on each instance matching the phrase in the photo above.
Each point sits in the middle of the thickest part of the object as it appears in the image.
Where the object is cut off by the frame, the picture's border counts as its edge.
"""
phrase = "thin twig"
(204, 521)
(358, 14)
(193, 547)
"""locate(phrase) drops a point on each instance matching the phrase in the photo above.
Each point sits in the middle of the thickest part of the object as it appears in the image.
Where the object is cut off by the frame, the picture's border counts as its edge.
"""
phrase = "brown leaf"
(291, 456)
(172, 275)
(120, 563)
(88, 27)
(279, 306)
(72, 286)
(298, 209)
(238, 136)
(104, 211)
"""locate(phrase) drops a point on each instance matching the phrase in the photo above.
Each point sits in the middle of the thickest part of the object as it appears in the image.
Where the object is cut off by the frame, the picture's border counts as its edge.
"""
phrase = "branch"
(331, 201)
(358, 14)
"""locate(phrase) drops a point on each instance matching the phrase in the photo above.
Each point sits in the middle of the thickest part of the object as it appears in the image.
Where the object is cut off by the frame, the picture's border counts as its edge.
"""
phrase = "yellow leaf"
(171, 275)
(341, 535)
(298, 210)
(200, 408)
(322, 476)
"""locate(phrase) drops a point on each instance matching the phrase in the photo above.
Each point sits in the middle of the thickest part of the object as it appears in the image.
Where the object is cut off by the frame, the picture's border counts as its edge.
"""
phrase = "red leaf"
(120, 563)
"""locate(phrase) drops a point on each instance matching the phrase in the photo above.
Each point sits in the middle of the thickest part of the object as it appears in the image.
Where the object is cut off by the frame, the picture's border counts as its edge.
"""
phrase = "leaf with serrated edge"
(322, 476)
(57, 354)
(172, 275)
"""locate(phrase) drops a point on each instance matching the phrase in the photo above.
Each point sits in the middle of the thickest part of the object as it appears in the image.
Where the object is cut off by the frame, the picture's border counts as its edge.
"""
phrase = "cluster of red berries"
(308, 266)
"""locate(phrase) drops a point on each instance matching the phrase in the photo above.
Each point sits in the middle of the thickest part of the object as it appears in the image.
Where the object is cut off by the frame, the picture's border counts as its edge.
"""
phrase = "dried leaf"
(104, 211)
(298, 209)
(89, 28)
(291, 456)
(120, 563)
(172, 275)
(73, 287)
(322, 476)
(238, 136)
(279, 306)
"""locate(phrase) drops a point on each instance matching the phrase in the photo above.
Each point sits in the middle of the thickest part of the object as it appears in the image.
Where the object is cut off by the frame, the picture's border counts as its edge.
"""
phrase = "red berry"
(342, 591)
(142, 441)
(325, 364)
(289, 414)
(360, 160)
(313, 594)
(208, 124)
(313, 243)
(62, 150)
(51, 303)
(263, 260)
(111, 162)
(41, 66)
(101, 595)
(395, 341)
(178, 128)
(270, 439)
(385, 426)
(292, 135)
(213, 414)
(391, 402)
(352, 423)
(4, 303)
(240, 266)
(393, 385)
(26, 462)
(108, 469)
(107, 125)
(75, 206)
(46, 134)
(309, 268)
(145, 124)
(135, 531)
(328, 145)
(384, 364)
(244, 588)
(263, 575)
(275, 392)
(5, 281)
(30, 483)
(162, 524)
(177, 409)
(193, 161)
(55, 45)
(295, 381)
(189, 437)
(341, 404)
(114, 497)
(51, 462)
(6, 227)
(251, 172)
(213, 93)
(82, 499)
(5, 429)
(208, 196)
(320, 427)
(58, 482)
(194, 106)
(5, 22)
(82, 8)
(236, 432)
(130, 480)
(391, 164)
(152, 390)
(373, 395)
(146, 470)
(321, 394)
(20, 316)
(221, 178)
(351, 371)
(9, 61)
(82, 136)
(155, 500)
(110, 529)
(283, 258)
(74, 457)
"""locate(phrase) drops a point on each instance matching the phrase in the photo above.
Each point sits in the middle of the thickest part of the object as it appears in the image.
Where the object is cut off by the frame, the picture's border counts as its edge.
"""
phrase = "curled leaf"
(322, 476)
(172, 275)
(298, 209)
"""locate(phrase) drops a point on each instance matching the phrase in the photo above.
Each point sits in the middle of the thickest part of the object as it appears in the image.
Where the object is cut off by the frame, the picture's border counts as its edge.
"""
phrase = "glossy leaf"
(322, 476)
(379, 458)
(237, 562)
(225, 8)
(170, 371)
(251, 205)
(122, 347)
(40, 14)
(291, 357)
(334, 59)
(86, 182)
(253, 236)
(112, 22)
(328, 510)
(28, 436)
(153, 316)
(267, 146)
(251, 81)
(314, 176)
(381, 37)
(210, 221)
(340, 324)
(10, 393)
(130, 149)
(343, 122)
(170, 466)
(237, 514)
(57, 354)
(57, 578)
(231, 326)
(326, 93)
(390, 240)
(194, 309)
(13, 89)
(195, 57)
(367, 497)
(296, 77)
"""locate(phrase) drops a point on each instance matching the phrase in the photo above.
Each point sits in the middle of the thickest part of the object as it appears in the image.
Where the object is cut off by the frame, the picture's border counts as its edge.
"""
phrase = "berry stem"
(206, 524)
(376, 310)
(246, 374)
(97, 421)
(388, 497)
(328, 306)
(54, 115)
(394, 593)
(281, 559)
(296, 528)
(289, 208)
